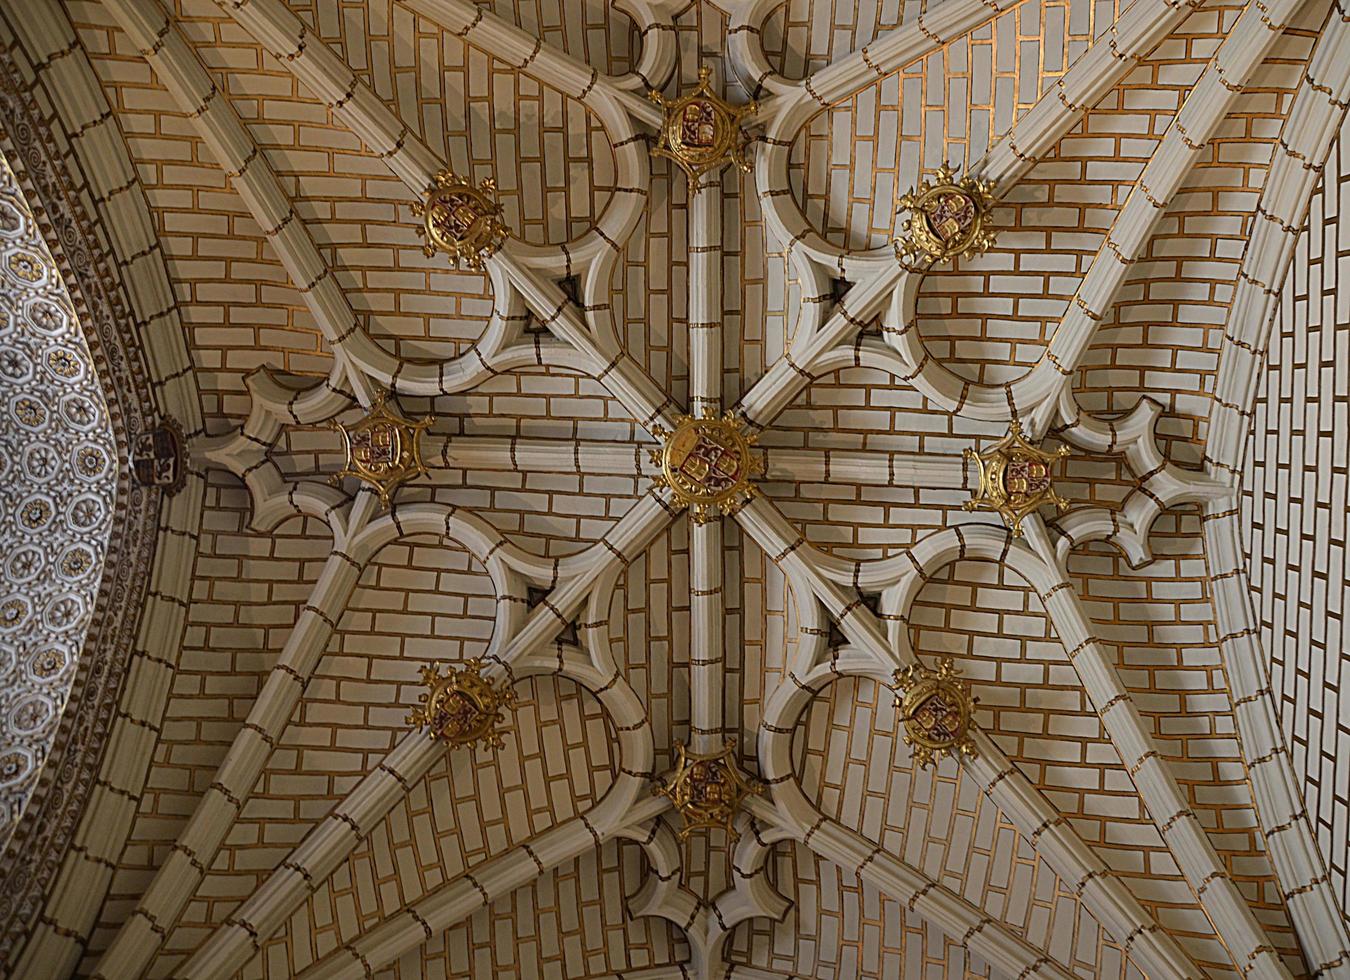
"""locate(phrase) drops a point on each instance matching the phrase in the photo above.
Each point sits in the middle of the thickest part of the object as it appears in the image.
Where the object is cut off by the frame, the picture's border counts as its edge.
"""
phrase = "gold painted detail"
(462, 707)
(1015, 478)
(383, 449)
(948, 217)
(707, 464)
(461, 220)
(936, 708)
(707, 790)
(702, 132)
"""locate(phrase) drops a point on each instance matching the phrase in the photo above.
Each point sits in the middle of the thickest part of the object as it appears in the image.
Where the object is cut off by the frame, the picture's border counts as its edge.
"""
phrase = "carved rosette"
(707, 463)
(707, 790)
(936, 708)
(461, 707)
(383, 449)
(1015, 478)
(947, 218)
(461, 220)
(701, 132)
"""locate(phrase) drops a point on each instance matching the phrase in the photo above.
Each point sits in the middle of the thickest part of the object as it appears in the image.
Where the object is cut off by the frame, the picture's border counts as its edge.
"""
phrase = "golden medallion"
(461, 220)
(702, 132)
(1015, 478)
(707, 790)
(461, 707)
(383, 449)
(936, 708)
(947, 218)
(708, 465)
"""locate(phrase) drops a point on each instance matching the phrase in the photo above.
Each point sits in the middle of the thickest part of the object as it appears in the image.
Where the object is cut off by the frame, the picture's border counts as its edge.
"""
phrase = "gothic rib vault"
(1124, 805)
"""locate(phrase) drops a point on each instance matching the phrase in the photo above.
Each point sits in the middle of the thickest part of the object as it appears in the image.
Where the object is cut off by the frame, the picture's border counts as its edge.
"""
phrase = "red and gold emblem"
(947, 218)
(936, 709)
(461, 707)
(707, 790)
(708, 465)
(383, 449)
(461, 220)
(1015, 478)
(702, 132)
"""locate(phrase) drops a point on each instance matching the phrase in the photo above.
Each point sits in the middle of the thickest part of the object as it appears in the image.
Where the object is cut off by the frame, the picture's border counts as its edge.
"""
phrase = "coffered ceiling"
(1155, 784)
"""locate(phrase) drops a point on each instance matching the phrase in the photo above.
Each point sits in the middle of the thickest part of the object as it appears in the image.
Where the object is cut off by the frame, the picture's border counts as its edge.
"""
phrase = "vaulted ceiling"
(1158, 784)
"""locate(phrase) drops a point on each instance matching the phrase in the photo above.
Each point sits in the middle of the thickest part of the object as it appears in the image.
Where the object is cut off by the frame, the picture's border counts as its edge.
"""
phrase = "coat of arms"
(461, 220)
(936, 708)
(1015, 478)
(701, 131)
(948, 217)
(461, 707)
(383, 449)
(708, 465)
(707, 790)
(159, 457)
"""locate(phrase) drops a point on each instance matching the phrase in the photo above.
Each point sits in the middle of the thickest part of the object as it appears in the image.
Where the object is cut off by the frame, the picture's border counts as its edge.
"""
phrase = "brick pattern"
(849, 929)
(803, 36)
(569, 923)
(421, 600)
(1294, 502)
(856, 770)
(945, 108)
(1164, 334)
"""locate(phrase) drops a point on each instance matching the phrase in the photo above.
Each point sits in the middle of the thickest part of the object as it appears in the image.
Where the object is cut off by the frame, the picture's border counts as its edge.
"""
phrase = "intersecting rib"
(1043, 826)
(1185, 140)
(966, 924)
(353, 817)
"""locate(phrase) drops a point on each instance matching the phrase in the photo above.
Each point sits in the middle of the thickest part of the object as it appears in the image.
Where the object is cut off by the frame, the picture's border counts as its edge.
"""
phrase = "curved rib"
(186, 79)
(1138, 30)
(282, 32)
(1314, 120)
(790, 374)
(788, 111)
(452, 902)
(1187, 840)
(354, 546)
(516, 640)
(483, 29)
(1045, 829)
(1205, 108)
(274, 26)
(173, 886)
(966, 924)
(230, 947)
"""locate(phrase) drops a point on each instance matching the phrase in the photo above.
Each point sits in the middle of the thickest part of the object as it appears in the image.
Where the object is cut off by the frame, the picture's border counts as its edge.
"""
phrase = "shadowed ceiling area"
(660, 489)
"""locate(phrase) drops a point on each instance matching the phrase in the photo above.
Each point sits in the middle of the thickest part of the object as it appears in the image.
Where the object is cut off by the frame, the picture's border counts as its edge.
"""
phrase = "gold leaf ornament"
(461, 707)
(936, 709)
(707, 790)
(461, 220)
(701, 131)
(947, 218)
(708, 464)
(383, 449)
(1015, 478)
